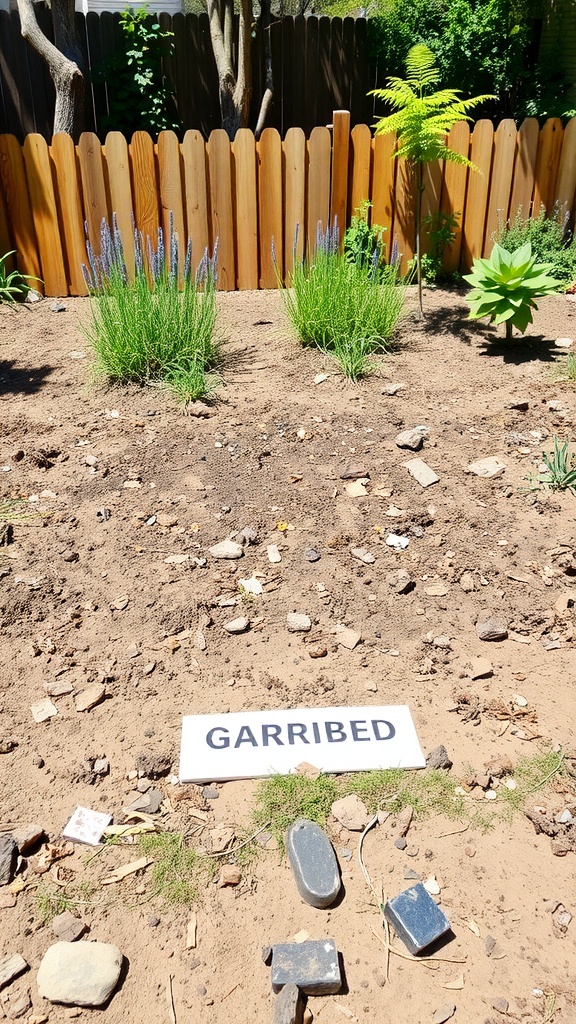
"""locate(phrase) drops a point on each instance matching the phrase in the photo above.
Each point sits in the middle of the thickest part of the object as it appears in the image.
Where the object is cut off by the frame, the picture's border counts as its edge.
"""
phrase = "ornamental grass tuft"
(153, 328)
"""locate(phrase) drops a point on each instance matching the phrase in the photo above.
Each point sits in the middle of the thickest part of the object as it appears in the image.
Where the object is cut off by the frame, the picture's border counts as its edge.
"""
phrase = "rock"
(500, 1004)
(59, 688)
(239, 625)
(313, 862)
(467, 582)
(154, 764)
(480, 668)
(439, 758)
(412, 438)
(347, 638)
(79, 973)
(289, 1005)
(43, 710)
(297, 623)
(230, 874)
(7, 900)
(404, 820)
(564, 342)
(351, 813)
(354, 471)
(421, 472)
(396, 542)
(273, 553)
(57, 307)
(210, 793)
(490, 626)
(488, 468)
(312, 555)
(400, 581)
(436, 590)
(431, 886)
(443, 1013)
(312, 966)
(90, 697)
(519, 405)
(10, 967)
(416, 919)
(16, 1003)
(68, 928)
(27, 837)
(8, 856)
(148, 803)
(392, 389)
(247, 536)
(318, 652)
(363, 555)
(400, 843)
(7, 746)
(220, 838)
(228, 549)
(356, 488)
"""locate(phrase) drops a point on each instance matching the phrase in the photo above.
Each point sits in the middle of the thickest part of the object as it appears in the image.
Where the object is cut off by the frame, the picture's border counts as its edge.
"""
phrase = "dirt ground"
(88, 597)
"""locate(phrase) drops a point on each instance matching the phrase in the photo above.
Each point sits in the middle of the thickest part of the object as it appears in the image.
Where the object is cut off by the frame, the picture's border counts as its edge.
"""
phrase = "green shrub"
(362, 240)
(506, 285)
(346, 308)
(149, 330)
(440, 232)
(549, 237)
(13, 284)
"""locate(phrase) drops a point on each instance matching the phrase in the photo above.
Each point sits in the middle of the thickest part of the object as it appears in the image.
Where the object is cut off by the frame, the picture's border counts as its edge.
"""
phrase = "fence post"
(339, 189)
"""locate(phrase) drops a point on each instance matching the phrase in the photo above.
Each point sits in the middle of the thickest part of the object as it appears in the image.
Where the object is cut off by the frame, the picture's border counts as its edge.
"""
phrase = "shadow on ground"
(22, 380)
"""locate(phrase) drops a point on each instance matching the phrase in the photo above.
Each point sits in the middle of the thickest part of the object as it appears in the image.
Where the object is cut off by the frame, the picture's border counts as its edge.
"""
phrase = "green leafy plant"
(421, 120)
(346, 308)
(440, 232)
(139, 94)
(429, 792)
(178, 869)
(13, 284)
(281, 799)
(559, 473)
(551, 240)
(153, 329)
(362, 239)
(506, 286)
(531, 775)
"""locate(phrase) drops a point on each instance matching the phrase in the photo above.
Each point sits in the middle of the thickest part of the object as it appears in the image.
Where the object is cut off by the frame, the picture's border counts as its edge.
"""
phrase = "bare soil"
(272, 450)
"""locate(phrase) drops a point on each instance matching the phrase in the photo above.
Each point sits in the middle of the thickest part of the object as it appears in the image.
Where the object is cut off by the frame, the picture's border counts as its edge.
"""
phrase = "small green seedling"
(504, 287)
(13, 285)
(560, 471)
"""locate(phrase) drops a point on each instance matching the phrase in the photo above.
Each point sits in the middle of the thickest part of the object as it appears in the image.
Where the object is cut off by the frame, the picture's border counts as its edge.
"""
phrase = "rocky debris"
(421, 472)
(487, 468)
(312, 555)
(412, 439)
(239, 625)
(354, 471)
(79, 973)
(68, 928)
(404, 820)
(289, 1005)
(229, 875)
(43, 710)
(227, 549)
(396, 542)
(467, 582)
(298, 623)
(490, 627)
(220, 838)
(439, 758)
(431, 886)
(480, 668)
(147, 803)
(10, 967)
(90, 697)
(273, 553)
(312, 966)
(313, 862)
(7, 746)
(562, 834)
(400, 843)
(357, 488)
(363, 555)
(8, 857)
(351, 812)
(59, 688)
(347, 638)
(16, 1003)
(27, 837)
(499, 767)
(444, 1013)
(436, 589)
(154, 764)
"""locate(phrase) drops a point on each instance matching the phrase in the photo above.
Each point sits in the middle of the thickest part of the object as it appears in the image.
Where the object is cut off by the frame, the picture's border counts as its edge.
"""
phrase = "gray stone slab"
(289, 1006)
(421, 472)
(8, 855)
(416, 919)
(313, 862)
(312, 966)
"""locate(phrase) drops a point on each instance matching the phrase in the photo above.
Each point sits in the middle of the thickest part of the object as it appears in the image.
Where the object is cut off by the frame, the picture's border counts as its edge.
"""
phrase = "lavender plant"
(349, 308)
(153, 328)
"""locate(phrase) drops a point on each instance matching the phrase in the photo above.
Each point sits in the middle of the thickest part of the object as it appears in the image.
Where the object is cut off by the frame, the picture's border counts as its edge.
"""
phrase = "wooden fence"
(320, 64)
(249, 193)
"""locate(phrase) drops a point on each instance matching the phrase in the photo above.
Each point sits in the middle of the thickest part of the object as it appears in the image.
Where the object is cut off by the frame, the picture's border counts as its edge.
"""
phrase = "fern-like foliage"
(421, 119)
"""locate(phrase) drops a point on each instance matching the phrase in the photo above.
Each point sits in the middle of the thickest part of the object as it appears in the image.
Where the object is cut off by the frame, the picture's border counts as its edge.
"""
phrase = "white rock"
(431, 886)
(363, 555)
(564, 342)
(90, 698)
(396, 542)
(273, 553)
(176, 559)
(347, 638)
(488, 468)
(297, 623)
(412, 438)
(519, 700)
(226, 549)
(421, 472)
(79, 973)
(43, 710)
(480, 668)
(251, 586)
(239, 625)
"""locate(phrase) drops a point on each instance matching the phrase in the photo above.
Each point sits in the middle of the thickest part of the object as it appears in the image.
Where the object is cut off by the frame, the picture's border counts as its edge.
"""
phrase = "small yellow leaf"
(282, 526)
(474, 927)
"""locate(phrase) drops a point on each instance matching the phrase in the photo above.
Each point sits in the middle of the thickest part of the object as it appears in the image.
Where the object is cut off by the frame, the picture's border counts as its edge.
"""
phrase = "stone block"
(289, 1006)
(416, 919)
(313, 862)
(312, 966)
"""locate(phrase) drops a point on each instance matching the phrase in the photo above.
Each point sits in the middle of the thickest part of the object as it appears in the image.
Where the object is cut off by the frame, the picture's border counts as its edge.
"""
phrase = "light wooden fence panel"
(93, 187)
(219, 160)
(360, 167)
(566, 180)
(549, 148)
(525, 167)
(294, 153)
(383, 186)
(404, 221)
(453, 200)
(118, 165)
(339, 186)
(198, 209)
(18, 206)
(319, 160)
(245, 174)
(43, 200)
(501, 182)
(478, 186)
(271, 223)
(71, 214)
(145, 186)
(171, 202)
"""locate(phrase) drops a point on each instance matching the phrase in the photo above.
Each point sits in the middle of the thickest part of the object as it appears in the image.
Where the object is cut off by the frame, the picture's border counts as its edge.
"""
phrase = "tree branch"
(269, 78)
(223, 65)
(65, 73)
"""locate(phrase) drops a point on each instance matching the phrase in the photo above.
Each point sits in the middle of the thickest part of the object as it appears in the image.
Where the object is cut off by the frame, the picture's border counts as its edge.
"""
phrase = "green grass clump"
(530, 775)
(178, 869)
(559, 473)
(281, 799)
(50, 902)
(153, 329)
(347, 308)
(429, 792)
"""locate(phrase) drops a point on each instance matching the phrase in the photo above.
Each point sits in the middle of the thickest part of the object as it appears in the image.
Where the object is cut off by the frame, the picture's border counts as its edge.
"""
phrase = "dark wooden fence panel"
(319, 65)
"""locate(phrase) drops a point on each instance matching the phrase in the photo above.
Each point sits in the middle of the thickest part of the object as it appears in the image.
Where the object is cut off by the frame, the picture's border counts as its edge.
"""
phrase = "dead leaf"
(474, 928)
(126, 869)
(456, 984)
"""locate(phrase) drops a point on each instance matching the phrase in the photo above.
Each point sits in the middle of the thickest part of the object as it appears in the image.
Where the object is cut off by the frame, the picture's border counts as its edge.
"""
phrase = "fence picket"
(198, 225)
(143, 163)
(339, 185)
(171, 195)
(41, 189)
(549, 149)
(453, 197)
(404, 224)
(222, 209)
(319, 157)
(360, 167)
(294, 152)
(383, 185)
(271, 227)
(478, 186)
(69, 200)
(18, 206)
(246, 207)
(118, 164)
(524, 167)
(566, 180)
(501, 182)
(93, 186)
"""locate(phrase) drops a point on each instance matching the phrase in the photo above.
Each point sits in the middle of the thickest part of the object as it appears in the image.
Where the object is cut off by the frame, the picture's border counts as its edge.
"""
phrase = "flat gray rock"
(421, 472)
(491, 627)
(8, 854)
(412, 439)
(67, 927)
(488, 468)
(313, 862)
(289, 1005)
(226, 549)
(312, 966)
(297, 623)
(79, 973)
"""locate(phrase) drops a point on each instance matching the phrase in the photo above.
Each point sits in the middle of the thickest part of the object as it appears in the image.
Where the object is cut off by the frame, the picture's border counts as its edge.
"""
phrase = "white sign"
(252, 744)
(86, 826)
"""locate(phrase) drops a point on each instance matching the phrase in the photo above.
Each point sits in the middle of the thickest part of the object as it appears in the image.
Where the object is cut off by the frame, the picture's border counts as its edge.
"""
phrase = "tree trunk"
(64, 62)
(419, 191)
